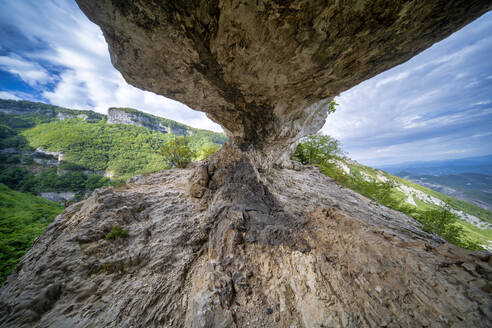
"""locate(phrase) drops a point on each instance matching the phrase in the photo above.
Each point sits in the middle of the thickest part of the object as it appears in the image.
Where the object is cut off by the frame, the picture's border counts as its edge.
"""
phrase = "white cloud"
(8, 95)
(397, 115)
(393, 78)
(30, 72)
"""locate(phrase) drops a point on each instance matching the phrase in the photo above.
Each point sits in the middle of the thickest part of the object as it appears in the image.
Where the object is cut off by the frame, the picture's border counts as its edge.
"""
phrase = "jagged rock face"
(291, 249)
(120, 116)
(265, 70)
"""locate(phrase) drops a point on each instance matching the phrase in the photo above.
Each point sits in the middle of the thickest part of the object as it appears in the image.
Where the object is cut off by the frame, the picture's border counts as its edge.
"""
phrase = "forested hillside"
(23, 217)
(86, 142)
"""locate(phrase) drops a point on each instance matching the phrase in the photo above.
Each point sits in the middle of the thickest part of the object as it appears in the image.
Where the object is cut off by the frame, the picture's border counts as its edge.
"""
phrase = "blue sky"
(436, 106)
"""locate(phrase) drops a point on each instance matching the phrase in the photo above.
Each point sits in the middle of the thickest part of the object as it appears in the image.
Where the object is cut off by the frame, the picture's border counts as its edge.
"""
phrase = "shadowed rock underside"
(266, 70)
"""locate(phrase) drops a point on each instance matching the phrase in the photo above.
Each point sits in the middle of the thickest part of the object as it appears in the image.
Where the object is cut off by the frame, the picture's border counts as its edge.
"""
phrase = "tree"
(317, 149)
(207, 150)
(444, 222)
(177, 152)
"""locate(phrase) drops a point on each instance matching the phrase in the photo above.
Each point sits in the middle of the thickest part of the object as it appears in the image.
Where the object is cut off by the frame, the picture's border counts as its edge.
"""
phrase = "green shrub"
(27, 160)
(177, 152)
(116, 232)
(14, 176)
(207, 150)
(443, 222)
(95, 181)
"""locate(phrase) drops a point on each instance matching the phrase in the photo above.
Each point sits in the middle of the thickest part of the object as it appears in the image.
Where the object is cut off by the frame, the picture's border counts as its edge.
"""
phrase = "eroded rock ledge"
(265, 70)
(290, 249)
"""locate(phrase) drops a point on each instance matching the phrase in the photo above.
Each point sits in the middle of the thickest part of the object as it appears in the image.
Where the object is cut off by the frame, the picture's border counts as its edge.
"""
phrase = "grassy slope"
(483, 236)
(23, 217)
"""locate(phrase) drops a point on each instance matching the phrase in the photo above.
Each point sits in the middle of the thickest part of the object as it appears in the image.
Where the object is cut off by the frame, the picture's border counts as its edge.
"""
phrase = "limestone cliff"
(135, 117)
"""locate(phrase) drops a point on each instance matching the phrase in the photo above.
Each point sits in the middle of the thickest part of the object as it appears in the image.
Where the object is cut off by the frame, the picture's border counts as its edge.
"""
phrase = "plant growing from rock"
(116, 232)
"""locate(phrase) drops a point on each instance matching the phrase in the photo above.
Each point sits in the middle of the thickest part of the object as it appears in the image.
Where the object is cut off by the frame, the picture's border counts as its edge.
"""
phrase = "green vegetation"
(23, 217)
(208, 150)
(325, 152)
(26, 114)
(89, 143)
(116, 232)
(19, 178)
(123, 150)
(177, 152)
(317, 149)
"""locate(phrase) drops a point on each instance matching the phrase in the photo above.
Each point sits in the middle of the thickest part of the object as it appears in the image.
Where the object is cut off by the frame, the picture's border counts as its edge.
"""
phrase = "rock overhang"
(266, 70)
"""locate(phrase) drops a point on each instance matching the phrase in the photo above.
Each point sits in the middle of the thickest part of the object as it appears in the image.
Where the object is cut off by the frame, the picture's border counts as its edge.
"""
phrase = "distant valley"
(471, 187)
(468, 179)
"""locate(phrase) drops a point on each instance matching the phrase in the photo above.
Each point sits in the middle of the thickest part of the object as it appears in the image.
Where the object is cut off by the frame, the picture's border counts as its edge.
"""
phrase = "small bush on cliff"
(117, 232)
(177, 152)
(443, 222)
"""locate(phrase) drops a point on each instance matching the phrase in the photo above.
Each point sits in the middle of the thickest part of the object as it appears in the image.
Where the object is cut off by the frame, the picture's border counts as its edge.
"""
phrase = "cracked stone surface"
(266, 70)
(290, 249)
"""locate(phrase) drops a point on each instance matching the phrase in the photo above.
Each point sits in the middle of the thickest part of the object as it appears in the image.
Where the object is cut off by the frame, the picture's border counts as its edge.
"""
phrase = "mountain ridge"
(23, 107)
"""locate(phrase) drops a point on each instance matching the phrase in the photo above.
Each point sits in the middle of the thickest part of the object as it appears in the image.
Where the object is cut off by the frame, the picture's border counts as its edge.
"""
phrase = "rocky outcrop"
(64, 116)
(62, 196)
(50, 158)
(266, 70)
(291, 249)
(122, 116)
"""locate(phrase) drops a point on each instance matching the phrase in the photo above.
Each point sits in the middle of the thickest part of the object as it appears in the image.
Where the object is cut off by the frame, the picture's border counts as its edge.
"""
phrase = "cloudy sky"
(438, 105)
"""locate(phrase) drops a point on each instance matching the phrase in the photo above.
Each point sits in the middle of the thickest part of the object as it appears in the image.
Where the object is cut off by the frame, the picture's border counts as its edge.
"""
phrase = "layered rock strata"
(291, 249)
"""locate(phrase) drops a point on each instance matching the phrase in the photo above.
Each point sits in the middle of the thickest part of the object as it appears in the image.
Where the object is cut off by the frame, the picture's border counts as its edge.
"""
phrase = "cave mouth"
(267, 70)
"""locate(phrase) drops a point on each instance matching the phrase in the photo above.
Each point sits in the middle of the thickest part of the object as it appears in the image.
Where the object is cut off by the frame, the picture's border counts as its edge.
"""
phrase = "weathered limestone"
(294, 250)
(223, 244)
(265, 70)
